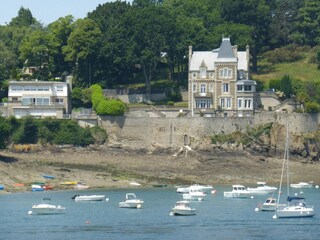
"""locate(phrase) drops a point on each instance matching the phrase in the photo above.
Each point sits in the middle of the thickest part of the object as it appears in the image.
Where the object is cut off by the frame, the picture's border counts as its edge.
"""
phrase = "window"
(203, 103)
(194, 87)
(225, 73)
(225, 102)
(210, 87)
(247, 88)
(225, 87)
(247, 103)
(194, 75)
(239, 103)
(59, 88)
(42, 101)
(203, 72)
(203, 88)
(239, 88)
(59, 100)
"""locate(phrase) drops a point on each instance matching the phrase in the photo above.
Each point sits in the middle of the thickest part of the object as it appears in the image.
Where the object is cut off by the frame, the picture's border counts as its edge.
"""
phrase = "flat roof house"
(39, 99)
(218, 82)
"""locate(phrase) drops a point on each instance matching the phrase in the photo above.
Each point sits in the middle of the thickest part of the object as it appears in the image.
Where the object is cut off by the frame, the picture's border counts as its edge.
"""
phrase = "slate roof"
(222, 54)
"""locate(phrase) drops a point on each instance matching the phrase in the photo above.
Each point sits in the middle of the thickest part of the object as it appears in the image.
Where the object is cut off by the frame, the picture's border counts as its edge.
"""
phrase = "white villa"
(218, 82)
(39, 99)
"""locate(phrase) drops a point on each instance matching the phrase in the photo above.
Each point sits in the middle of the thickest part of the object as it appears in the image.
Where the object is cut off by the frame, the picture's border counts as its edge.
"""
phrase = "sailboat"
(295, 206)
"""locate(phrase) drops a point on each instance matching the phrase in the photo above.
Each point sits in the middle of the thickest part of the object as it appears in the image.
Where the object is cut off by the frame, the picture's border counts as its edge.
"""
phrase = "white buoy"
(301, 192)
(171, 214)
(139, 206)
(256, 209)
(274, 217)
(252, 197)
(107, 199)
(30, 212)
(296, 194)
(317, 186)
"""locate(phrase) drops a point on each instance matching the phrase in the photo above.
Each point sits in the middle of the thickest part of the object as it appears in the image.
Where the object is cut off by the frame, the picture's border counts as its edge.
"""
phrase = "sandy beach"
(104, 167)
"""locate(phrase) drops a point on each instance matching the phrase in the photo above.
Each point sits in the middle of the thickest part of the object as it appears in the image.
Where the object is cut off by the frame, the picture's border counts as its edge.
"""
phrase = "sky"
(48, 11)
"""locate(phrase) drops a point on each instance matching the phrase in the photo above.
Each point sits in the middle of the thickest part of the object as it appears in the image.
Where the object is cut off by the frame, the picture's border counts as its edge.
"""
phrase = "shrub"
(112, 107)
(282, 55)
(170, 103)
(312, 107)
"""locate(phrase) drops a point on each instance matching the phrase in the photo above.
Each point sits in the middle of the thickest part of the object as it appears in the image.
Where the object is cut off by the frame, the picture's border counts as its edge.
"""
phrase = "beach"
(106, 167)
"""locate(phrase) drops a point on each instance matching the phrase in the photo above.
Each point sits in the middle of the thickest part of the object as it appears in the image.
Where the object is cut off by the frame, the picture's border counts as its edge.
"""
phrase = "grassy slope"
(302, 70)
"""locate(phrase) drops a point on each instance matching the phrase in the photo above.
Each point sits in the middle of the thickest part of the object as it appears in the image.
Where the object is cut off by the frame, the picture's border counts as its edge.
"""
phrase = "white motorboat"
(261, 189)
(194, 195)
(202, 188)
(131, 201)
(302, 185)
(238, 191)
(46, 208)
(78, 197)
(295, 206)
(183, 208)
(269, 205)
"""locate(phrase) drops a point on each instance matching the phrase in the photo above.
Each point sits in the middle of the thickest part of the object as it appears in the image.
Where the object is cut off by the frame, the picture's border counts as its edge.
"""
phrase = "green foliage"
(312, 107)
(81, 97)
(71, 133)
(99, 134)
(170, 103)
(5, 130)
(282, 55)
(274, 84)
(112, 107)
(27, 131)
(103, 106)
(285, 86)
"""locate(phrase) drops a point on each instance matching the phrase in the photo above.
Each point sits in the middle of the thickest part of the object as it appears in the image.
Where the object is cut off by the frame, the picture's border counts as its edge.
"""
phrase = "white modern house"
(218, 82)
(39, 98)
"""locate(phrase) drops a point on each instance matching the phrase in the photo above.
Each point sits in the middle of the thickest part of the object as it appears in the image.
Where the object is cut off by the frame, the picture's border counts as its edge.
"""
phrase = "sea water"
(216, 218)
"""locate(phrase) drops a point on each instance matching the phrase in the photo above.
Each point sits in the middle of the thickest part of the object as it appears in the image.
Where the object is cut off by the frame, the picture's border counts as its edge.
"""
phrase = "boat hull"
(235, 195)
(294, 212)
(131, 204)
(47, 209)
(183, 212)
(89, 198)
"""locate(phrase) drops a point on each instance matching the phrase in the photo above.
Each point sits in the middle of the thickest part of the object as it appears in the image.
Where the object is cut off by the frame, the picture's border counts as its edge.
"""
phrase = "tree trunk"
(148, 70)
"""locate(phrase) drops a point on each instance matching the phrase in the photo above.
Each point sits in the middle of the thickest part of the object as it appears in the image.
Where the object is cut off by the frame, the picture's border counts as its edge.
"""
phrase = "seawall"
(137, 132)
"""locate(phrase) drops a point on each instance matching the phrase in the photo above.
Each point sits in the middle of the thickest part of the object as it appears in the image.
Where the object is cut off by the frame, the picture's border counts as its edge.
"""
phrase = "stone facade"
(218, 82)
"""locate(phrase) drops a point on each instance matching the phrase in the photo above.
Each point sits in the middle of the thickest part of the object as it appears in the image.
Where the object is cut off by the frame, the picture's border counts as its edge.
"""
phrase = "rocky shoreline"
(107, 167)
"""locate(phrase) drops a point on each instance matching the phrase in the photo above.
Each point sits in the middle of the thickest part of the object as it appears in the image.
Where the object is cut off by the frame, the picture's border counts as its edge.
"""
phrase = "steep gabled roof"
(226, 49)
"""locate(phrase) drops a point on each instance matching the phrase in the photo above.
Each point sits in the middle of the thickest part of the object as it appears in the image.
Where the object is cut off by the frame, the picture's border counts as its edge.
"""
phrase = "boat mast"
(287, 159)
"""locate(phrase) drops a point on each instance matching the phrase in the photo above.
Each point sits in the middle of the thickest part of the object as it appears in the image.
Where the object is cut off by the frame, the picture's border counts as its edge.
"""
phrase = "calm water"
(217, 218)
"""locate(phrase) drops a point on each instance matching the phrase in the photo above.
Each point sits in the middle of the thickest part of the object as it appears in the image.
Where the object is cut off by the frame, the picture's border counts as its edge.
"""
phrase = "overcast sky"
(48, 11)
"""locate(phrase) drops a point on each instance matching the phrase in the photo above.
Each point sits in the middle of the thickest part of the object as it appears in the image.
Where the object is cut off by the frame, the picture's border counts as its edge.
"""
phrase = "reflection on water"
(217, 218)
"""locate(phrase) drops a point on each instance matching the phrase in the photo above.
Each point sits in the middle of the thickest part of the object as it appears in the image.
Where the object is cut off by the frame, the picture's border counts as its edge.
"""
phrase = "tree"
(285, 86)
(34, 51)
(307, 24)
(81, 45)
(58, 34)
(147, 40)
(254, 13)
(5, 131)
(24, 18)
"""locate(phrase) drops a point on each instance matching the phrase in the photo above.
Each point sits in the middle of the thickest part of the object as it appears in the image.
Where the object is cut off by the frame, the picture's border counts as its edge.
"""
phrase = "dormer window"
(225, 73)
(203, 72)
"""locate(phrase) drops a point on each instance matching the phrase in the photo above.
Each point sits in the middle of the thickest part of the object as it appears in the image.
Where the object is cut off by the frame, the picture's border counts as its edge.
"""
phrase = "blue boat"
(48, 176)
(1, 187)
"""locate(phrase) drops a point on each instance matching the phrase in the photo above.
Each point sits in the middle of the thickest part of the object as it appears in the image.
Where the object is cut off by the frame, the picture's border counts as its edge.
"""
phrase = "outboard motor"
(77, 195)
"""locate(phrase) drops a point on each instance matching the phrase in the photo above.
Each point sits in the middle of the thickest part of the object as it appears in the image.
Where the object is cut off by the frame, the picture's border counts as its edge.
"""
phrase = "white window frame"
(194, 87)
(226, 73)
(225, 87)
(203, 72)
(203, 88)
